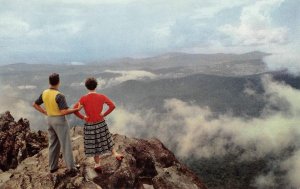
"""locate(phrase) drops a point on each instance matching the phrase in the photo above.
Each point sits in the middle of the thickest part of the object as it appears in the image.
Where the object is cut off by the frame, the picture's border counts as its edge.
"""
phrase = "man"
(58, 128)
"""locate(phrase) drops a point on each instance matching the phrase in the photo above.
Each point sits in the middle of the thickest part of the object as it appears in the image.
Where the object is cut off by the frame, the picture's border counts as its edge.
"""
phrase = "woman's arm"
(78, 114)
(110, 104)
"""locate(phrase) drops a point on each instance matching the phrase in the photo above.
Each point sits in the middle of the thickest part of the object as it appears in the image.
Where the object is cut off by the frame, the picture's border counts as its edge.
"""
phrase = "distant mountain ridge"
(176, 59)
(169, 55)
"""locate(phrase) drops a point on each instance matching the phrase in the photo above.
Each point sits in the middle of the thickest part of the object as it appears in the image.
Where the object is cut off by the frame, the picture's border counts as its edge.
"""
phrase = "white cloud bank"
(12, 26)
(285, 57)
(26, 87)
(131, 75)
(255, 26)
(10, 101)
(191, 130)
(123, 76)
(257, 30)
(91, 2)
(120, 77)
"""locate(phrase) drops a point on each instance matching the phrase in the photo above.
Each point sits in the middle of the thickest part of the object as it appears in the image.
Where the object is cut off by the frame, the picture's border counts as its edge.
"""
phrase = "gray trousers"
(59, 138)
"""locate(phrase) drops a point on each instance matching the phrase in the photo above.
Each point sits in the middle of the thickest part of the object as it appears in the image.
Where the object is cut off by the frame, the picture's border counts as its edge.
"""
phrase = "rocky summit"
(147, 164)
(17, 142)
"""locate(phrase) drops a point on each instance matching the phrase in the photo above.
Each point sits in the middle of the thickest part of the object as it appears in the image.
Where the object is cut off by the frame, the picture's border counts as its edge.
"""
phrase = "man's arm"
(63, 107)
(37, 105)
(70, 111)
(39, 108)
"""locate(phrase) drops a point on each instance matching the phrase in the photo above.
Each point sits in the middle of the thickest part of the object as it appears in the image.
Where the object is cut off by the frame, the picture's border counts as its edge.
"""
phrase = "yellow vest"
(49, 96)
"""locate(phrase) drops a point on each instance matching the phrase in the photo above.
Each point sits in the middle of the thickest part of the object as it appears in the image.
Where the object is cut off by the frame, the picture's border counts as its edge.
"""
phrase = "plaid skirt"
(97, 139)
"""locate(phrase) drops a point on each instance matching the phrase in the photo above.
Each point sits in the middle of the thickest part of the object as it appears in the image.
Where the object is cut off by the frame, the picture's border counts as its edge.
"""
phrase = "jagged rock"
(17, 142)
(147, 164)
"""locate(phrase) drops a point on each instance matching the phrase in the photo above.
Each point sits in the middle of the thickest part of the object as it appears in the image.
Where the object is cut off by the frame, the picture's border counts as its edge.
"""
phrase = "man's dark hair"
(54, 79)
(91, 83)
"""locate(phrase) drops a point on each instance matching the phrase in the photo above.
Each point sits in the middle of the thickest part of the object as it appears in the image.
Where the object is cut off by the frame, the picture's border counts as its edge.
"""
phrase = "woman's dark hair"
(54, 79)
(91, 83)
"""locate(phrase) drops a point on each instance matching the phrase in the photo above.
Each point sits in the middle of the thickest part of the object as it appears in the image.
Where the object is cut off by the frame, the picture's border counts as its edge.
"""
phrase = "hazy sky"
(85, 30)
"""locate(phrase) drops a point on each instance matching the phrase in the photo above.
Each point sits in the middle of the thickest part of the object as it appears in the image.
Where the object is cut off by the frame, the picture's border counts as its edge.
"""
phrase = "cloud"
(119, 77)
(197, 131)
(124, 120)
(255, 26)
(130, 75)
(259, 28)
(10, 101)
(123, 76)
(265, 181)
(12, 26)
(92, 2)
(26, 87)
(285, 57)
(209, 9)
(84, 31)
(77, 63)
(292, 166)
(191, 130)
(64, 31)
(80, 84)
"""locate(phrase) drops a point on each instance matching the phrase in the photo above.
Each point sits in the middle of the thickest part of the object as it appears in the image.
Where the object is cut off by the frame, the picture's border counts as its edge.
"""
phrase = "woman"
(97, 138)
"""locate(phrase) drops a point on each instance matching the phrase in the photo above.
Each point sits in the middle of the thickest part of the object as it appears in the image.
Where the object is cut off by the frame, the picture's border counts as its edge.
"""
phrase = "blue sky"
(61, 31)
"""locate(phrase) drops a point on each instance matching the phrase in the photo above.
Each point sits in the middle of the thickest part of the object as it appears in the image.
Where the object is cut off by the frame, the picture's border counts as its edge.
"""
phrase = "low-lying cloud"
(26, 87)
(258, 29)
(192, 130)
(255, 27)
(10, 101)
(124, 76)
(119, 77)
(285, 57)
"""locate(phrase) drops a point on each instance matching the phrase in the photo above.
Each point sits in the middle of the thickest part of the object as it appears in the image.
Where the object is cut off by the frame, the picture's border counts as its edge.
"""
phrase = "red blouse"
(93, 106)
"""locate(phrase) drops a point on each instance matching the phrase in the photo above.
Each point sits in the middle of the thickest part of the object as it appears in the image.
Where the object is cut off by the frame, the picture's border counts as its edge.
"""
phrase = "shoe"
(53, 170)
(71, 172)
(77, 166)
(98, 168)
(119, 157)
